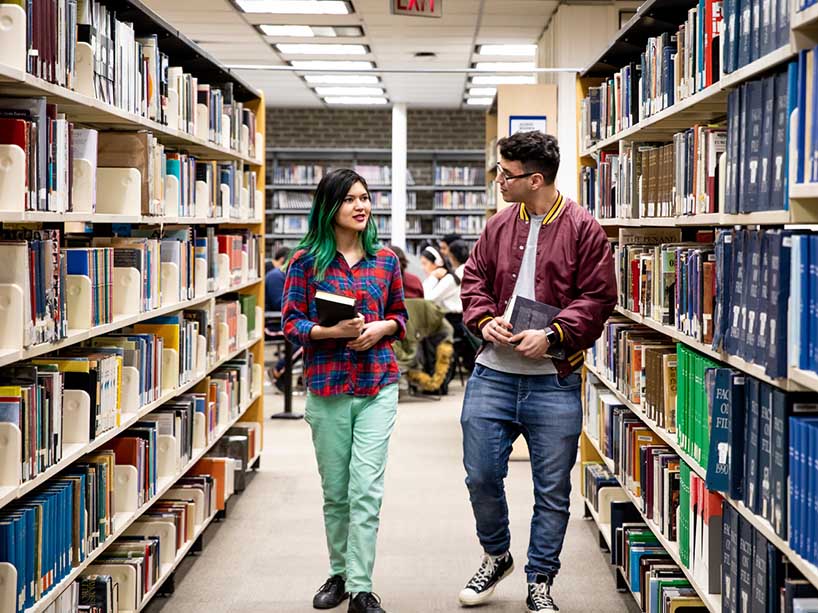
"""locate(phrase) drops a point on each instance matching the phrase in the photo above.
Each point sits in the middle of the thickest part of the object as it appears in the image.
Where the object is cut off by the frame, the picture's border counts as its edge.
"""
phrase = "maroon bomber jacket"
(575, 272)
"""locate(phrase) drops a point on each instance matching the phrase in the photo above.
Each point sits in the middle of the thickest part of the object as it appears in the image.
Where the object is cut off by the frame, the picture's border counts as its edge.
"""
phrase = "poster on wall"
(526, 123)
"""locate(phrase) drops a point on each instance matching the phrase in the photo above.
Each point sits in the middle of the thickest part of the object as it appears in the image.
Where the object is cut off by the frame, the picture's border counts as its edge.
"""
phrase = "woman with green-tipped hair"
(351, 375)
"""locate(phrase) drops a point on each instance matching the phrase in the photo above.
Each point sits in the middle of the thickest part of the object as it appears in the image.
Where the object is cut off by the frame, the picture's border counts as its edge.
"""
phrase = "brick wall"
(436, 129)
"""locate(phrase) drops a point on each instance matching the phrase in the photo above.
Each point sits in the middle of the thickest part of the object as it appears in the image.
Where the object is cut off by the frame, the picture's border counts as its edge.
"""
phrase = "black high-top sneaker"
(331, 594)
(539, 596)
(481, 586)
(365, 602)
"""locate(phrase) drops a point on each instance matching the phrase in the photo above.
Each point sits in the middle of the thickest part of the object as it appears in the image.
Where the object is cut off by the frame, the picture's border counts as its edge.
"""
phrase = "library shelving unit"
(119, 209)
(706, 107)
(439, 201)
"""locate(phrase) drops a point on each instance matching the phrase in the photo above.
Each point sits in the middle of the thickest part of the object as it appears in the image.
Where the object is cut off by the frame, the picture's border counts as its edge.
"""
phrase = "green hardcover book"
(681, 395)
(247, 303)
(684, 514)
(698, 385)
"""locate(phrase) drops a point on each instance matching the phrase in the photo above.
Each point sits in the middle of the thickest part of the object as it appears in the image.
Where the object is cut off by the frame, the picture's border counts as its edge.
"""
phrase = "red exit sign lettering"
(418, 8)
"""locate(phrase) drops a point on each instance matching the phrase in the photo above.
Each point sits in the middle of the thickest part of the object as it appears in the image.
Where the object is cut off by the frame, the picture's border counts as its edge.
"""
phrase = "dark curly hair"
(537, 152)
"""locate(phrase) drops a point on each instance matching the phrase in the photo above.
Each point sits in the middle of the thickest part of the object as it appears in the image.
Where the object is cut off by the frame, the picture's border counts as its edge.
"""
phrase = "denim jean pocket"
(571, 382)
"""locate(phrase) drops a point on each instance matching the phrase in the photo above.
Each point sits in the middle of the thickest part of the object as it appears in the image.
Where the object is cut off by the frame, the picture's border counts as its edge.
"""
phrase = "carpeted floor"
(269, 554)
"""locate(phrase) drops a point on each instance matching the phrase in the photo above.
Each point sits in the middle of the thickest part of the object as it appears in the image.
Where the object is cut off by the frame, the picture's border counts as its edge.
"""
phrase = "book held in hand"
(526, 314)
(333, 308)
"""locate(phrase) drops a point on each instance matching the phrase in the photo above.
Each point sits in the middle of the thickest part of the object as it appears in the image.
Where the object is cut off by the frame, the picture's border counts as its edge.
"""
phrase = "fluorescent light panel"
(479, 101)
(285, 31)
(300, 31)
(510, 50)
(501, 66)
(332, 64)
(360, 100)
(320, 49)
(349, 91)
(295, 7)
(476, 92)
(341, 79)
(503, 80)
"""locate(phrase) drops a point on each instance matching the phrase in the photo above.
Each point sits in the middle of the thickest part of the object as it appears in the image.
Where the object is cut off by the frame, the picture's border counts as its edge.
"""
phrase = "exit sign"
(418, 8)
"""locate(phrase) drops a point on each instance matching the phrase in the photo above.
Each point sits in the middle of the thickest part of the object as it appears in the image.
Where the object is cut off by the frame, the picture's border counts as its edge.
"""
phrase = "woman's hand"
(373, 332)
(348, 328)
(439, 273)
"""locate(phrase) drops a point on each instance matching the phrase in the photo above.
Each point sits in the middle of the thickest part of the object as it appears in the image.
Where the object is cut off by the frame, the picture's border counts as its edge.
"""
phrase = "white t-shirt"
(444, 292)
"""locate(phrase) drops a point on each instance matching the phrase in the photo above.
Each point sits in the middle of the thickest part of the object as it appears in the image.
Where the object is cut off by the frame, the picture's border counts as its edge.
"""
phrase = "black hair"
(459, 249)
(282, 253)
(433, 255)
(537, 152)
(450, 238)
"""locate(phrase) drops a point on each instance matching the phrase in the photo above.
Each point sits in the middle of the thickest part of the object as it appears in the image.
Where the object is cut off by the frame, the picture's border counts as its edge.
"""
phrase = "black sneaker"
(481, 586)
(365, 602)
(539, 596)
(331, 594)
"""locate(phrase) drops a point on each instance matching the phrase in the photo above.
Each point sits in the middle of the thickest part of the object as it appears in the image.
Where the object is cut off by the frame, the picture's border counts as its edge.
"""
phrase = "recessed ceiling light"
(480, 101)
(515, 50)
(321, 49)
(301, 31)
(503, 66)
(341, 79)
(355, 100)
(349, 91)
(482, 91)
(295, 7)
(332, 65)
(503, 80)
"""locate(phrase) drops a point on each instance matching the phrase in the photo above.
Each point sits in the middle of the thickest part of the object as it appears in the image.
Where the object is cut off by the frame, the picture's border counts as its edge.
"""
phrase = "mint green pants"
(351, 439)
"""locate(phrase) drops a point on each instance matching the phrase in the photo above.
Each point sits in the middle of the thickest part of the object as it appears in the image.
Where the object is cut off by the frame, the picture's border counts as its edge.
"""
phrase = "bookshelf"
(435, 206)
(703, 105)
(196, 124)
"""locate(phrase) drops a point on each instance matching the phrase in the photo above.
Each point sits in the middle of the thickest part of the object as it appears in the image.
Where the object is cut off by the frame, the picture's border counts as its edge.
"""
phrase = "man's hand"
(498, 330)
(373, 332)
(533, 344)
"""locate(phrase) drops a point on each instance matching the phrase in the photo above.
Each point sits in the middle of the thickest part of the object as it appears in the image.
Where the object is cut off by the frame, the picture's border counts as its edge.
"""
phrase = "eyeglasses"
(503, 176)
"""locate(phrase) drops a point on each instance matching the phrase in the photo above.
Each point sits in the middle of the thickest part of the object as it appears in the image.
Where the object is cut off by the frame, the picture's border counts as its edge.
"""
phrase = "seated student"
(441, 286)
(412, 286)
(274, 281)
(466, 343)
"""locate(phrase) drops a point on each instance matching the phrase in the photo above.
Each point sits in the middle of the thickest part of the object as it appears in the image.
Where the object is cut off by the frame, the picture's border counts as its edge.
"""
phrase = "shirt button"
(522, 247)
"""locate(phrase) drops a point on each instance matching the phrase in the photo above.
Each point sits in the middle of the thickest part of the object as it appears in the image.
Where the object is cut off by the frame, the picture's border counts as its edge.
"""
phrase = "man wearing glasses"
(546, 248)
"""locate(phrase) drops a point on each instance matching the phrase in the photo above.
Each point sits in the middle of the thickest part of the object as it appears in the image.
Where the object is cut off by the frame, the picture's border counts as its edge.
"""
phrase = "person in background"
(458, 254)
(465, 343)
(351, 375)
(443, 244)
(547, 248)
(440, 286)
(274, 280)
(412, 285)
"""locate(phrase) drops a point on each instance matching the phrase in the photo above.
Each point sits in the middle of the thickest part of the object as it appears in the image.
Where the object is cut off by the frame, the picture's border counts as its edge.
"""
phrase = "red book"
(635, 276)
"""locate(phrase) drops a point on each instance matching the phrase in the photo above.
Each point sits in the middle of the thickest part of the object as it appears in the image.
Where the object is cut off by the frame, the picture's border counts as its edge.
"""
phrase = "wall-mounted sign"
(526, 123)
(418, 8)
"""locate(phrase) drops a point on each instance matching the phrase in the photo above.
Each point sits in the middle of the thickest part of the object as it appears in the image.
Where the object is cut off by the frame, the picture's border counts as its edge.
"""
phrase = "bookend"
(244, 203)
(120, 190)
(186, 494)
(223, 272)
(224, 409)
(202, 199)
(130, 390)
(222, 340)
(226, 131)
(76, 416)
(244, 142)
(173, 109)
(201, 356)
(170, 370)
(12, 335)
(170, 288)
(259, 150)
(11, 449)
(241, 336)
(171, 204)
(258, 212)
(202, 122)
(126, 489)
(165, 531)
(199, 277)
(83, 190)
(259, 322)
(79, 298)
(84, 70)
(12, 174)
(199, 431)
(245, 267)
(227, 202)
(13, 30)
(167, 456)
(8, 580)
(258, 380)
(125, 576)
(127, 291)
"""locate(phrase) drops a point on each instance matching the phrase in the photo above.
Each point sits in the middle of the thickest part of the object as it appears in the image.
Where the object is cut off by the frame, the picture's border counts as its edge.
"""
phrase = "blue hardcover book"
(800, 291)
(760, 577)
(735, 433)
(9, 533)
(752, 161)
(751, 443)
(77, 262)
(775, 577)
(745, 565)
(779, 298)
(802, 116)
(729, 38)
(813, 154)
(727, 561)
(753, 269)
(792, 113)
(795, 537)
(737, 147)
(778, 171)
(745, 17)
(811, 490)
(718, 464)
(778, 469)
(755, 30)
(782, 23)
(765, 458)
(813, 303)
(766, 42)
(767, 134)
(764, 300)
(737, 302)
(635, 554)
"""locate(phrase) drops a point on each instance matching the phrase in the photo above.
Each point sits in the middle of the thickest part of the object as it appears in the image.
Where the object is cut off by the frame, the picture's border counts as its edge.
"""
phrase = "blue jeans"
(547, 411)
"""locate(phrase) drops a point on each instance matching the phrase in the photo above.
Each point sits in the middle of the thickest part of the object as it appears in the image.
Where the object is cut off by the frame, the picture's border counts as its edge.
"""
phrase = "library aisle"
(270, 555)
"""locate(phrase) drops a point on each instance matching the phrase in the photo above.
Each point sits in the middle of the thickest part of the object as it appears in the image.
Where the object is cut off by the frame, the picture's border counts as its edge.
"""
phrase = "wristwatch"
(552, 336)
